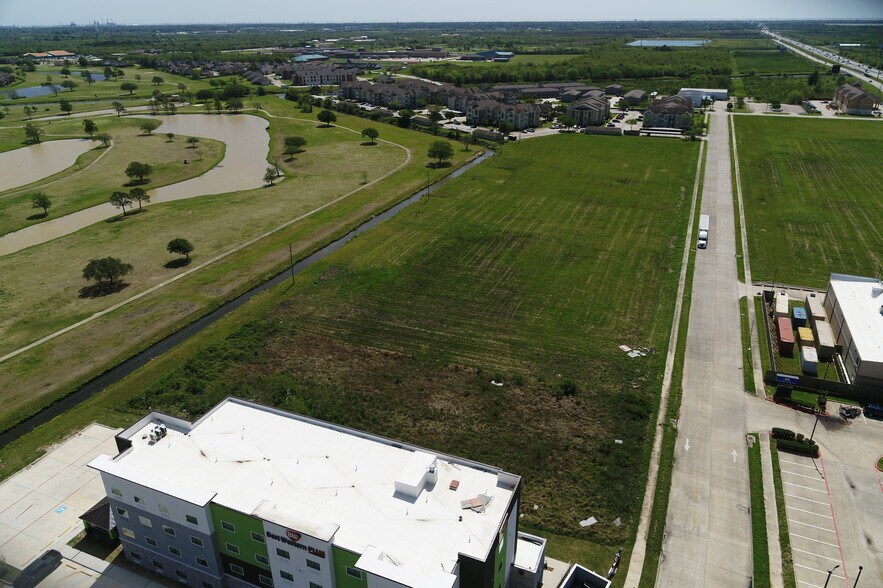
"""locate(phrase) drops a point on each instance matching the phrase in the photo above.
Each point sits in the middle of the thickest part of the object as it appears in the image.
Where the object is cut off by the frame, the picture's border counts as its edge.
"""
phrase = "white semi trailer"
(704, 221)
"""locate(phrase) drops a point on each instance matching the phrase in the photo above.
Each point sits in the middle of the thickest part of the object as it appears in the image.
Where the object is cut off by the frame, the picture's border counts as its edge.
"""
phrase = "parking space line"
(805, 487)
(807, 499)
(814, 554)
(819, 571)
(816, 478)
(808, 584)
(808, 511)
(803, 465)
(815, 540)
(813, 526)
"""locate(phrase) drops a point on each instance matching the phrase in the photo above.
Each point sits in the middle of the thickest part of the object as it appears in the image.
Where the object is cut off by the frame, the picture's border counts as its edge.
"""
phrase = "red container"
(786, 336)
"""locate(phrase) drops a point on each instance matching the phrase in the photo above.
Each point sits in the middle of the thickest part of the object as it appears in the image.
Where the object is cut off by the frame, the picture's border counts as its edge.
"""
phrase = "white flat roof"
(327, 482)
(861, 301)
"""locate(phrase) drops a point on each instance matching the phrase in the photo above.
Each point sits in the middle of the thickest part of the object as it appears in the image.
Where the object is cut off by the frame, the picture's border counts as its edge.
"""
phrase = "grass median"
(784, 537)
(759, 540)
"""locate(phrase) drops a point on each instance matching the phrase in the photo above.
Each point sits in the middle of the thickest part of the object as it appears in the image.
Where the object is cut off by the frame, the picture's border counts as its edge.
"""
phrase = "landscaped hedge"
(805, 447)
(788, 434)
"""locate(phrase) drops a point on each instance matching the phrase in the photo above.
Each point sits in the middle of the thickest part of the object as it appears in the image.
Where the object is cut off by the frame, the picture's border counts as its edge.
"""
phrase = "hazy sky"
(50, 12)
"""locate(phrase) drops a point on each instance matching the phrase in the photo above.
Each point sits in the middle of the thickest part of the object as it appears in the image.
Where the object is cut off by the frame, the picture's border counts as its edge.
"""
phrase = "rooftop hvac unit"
(153, 437)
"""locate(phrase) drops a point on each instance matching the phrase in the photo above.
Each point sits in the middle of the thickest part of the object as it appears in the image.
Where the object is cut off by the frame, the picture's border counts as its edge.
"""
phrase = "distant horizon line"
(107, 22)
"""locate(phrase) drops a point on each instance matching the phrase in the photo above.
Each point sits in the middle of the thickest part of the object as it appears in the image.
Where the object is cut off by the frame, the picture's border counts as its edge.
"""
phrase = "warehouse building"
(697, 95)
(253, 496)
(855, 307)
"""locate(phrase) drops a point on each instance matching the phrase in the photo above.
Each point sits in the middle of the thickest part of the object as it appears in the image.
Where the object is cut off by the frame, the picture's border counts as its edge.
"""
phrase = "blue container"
(798, 317)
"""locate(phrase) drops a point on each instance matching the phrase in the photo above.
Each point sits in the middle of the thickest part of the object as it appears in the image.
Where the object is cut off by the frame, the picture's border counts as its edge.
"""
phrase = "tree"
(69, 84)
(148, 125)
(203, 95)
(65, 72)
(129, 87)
(813, 78)
(82, 61)
(106, 269)
(327, 117)
(140, 196)
(41, 200)
(506, 127)
(156, 80)
(121, 200)
(65, 106)
(371, 134)
(87, 77)
(180, 246)
(138, 170)
(729, 106)
(170, 137)
(294, 145)
(234, 104)
(776, 105)
(33, 132)
(192, 141)
(118, 106)
(405, 117)
(104, 138)
(270, 176)
(567, 121)
(440, 150)
(108, 73)
(835, 68)
(29, 110)
(631, 122)
(138, 77)
(90, 127)
(218, 104)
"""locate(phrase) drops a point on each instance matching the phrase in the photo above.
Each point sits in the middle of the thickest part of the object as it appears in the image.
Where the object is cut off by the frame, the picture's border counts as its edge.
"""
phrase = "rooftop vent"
(456, 483)
(477, 504)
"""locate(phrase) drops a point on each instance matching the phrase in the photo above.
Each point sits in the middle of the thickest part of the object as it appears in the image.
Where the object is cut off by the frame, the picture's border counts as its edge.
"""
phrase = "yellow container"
(804, 335)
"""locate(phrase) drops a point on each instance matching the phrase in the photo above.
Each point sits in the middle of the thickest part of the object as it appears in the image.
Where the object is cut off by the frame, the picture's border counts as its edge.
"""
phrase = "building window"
(261, 559)
(237, 569)
(354, 573)
(196, 541)
(265, 580)
(145, 521)
(116, 492)
(191, 519)
(258, 537)
(168, 530)
(163, 508)
(201, 561)
(228, 526)
(313, 565)
(157, 565)
(207, 585)
(286, 576)
(150, 541)
(123, 512)
(232, 548)
(129, 533)
(138, 499)
(314, 585)
(135, 556)
(175, 551)
(283, 553)
(181, 575)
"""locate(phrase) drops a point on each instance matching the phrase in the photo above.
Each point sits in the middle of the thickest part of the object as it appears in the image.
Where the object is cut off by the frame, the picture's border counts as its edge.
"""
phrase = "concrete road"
(708, 528)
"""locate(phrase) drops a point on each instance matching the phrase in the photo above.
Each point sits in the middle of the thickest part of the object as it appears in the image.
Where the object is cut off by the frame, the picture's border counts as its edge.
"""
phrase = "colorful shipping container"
(825, 340)
(814, 309)
(786, 336)
(809, 360)
(782, 305)
(804, 336)
(798, 316)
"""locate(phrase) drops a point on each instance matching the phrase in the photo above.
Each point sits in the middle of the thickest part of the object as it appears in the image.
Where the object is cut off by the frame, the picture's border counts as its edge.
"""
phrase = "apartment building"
(253, 496)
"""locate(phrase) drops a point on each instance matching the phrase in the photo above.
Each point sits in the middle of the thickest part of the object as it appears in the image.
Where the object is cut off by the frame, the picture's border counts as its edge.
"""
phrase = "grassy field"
(752, 43)
(811, 190)
(522, 280)
(32, 305)
(771, 61)
(71, 191)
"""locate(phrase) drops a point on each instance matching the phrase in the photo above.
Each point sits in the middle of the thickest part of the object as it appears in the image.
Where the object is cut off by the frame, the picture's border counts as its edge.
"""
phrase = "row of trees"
(107, 272)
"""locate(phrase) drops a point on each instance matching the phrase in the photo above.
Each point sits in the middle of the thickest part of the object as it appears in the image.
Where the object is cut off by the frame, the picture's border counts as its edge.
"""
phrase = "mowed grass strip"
(95, 185)
(812, 197)
(529, 269)
(39, 376)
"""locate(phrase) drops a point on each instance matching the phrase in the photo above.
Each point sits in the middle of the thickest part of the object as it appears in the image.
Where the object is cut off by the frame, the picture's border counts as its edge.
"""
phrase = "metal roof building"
(855, 307)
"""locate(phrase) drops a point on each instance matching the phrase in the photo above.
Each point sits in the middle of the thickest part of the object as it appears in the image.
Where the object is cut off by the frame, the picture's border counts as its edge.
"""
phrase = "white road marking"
(734, 454)
(808, 584)
(837, 559)
(803, 465)
(807, 499)
(819, 571)
(806, 488)
(815, 540)
(813, 526)
(816, 478)
(687, 445)
(810, 512)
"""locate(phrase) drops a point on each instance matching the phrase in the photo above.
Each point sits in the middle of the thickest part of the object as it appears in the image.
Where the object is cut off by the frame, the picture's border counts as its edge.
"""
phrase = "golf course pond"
(242, 168)
(26, 165)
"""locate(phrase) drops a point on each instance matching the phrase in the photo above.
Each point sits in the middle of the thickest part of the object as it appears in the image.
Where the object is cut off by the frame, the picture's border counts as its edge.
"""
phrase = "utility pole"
(831, 571)
(859, 575)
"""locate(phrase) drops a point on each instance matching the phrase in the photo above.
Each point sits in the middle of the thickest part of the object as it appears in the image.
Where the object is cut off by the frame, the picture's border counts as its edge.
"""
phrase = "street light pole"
(859, 575)
(831, 571)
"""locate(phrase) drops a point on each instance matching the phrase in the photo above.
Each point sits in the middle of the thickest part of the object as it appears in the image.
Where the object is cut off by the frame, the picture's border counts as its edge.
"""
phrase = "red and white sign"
(293, 535)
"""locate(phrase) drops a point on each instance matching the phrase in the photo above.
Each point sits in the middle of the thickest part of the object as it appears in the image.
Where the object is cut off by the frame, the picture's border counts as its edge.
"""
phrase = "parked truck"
(703, 231)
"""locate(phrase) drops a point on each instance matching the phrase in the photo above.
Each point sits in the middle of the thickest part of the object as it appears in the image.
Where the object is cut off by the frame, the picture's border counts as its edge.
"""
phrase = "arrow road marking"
(734, 454)
(687, 445)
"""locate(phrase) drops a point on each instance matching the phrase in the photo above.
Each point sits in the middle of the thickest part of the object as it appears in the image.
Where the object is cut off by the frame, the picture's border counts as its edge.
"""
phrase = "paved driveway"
(41, 505)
